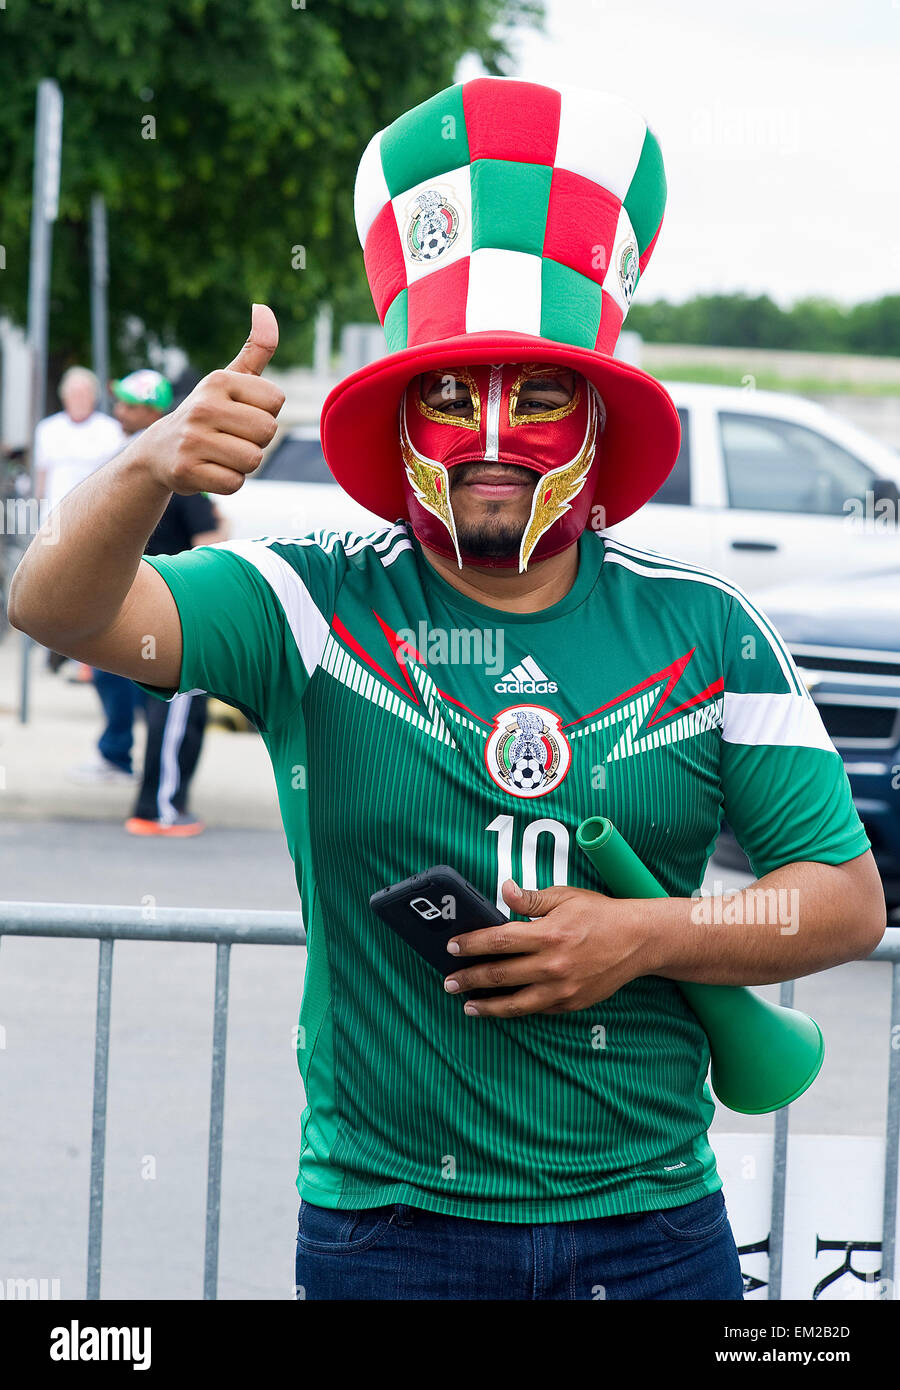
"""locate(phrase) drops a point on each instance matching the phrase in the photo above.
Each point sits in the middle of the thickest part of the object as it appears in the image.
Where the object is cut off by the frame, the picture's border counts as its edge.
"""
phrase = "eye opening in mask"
(534, 372)
(469, 413)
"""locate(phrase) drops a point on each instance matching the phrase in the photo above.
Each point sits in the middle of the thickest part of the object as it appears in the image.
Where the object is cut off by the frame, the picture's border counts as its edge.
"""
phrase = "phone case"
(429, 908)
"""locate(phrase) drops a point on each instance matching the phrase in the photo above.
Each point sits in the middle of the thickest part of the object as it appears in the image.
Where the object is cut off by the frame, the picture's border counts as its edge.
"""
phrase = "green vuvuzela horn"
(763, 1056)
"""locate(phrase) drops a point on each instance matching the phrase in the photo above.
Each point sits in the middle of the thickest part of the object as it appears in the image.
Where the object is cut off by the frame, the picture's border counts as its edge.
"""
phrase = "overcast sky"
(779, 122)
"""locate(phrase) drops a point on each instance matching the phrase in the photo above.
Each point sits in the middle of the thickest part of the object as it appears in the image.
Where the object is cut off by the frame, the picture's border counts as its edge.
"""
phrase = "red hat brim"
(361, 438)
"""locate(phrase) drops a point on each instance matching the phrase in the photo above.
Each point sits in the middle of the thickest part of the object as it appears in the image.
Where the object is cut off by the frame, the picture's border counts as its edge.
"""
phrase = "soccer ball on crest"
(526, 773)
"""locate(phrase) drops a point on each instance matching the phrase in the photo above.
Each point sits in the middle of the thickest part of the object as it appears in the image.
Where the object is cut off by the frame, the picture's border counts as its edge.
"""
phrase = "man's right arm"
(81, 588)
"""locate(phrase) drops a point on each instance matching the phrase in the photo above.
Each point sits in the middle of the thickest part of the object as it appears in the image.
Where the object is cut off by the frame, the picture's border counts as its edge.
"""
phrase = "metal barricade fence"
(225, 928)
(221, 927)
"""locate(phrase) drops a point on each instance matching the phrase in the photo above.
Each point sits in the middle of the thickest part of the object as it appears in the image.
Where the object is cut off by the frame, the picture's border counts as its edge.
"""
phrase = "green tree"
(819, 325)
(737, 320)
(224, 135)
(875, 327)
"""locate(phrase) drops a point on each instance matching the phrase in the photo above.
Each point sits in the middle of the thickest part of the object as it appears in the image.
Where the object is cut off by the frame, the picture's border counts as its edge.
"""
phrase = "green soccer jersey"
(409, 726)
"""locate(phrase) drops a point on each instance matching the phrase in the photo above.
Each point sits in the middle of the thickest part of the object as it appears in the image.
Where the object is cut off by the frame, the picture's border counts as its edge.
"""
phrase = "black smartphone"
(430, 908)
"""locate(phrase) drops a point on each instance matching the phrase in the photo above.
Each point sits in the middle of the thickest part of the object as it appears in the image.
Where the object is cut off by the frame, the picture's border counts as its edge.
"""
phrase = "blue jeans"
(402, 1252)
(120, 698)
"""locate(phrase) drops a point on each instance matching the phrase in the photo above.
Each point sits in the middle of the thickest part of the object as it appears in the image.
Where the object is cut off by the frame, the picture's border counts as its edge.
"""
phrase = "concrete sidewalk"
(233, 787)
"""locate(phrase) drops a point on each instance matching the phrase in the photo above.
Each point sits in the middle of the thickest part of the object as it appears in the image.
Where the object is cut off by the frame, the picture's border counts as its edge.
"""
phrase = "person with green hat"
(464, 687)
(140, 399)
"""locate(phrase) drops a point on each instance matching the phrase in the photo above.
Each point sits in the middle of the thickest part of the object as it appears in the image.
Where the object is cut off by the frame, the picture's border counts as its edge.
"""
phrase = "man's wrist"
(666, 932)
(135, 463)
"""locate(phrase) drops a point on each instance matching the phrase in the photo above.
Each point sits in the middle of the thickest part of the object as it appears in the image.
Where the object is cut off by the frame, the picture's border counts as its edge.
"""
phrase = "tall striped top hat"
(504, 221)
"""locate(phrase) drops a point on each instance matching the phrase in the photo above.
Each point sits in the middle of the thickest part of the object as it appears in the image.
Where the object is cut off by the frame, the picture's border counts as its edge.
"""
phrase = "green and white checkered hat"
(507, 221)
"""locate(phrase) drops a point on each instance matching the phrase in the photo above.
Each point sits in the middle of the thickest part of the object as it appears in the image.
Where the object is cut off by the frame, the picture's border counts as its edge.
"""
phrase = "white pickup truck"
(767, 487)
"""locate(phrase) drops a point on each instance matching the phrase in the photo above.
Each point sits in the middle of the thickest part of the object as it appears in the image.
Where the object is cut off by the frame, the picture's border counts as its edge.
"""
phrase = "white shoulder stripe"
(785, 720)
(700, 576)
(349, 541)
(392, 554)
(379, 540)
(642, 553)
(309, 627)
(395, 534)
(322, 540)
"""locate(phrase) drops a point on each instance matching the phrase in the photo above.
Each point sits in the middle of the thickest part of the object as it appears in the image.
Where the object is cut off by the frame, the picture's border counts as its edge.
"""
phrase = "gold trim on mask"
(563, 484)
(431, 412)
(430, 482)
(557, 412)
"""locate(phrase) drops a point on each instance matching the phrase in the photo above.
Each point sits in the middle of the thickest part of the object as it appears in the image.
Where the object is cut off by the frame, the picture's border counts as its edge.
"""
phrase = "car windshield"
(296, 461)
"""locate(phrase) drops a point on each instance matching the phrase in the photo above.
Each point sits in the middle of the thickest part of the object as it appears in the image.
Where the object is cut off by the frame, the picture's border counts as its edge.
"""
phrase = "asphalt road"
(160, 1067)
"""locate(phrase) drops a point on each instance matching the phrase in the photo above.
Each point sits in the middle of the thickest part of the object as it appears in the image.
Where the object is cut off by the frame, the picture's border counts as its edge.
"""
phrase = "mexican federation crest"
(628, 269)
(433, 226)
(527, 753)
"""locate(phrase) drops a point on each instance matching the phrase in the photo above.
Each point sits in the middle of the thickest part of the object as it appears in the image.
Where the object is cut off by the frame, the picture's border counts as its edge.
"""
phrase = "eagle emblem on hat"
(628, 269)
(433, 227)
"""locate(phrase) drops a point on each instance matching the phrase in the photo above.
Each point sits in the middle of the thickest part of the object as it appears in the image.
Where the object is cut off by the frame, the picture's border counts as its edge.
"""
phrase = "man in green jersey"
(465, 686)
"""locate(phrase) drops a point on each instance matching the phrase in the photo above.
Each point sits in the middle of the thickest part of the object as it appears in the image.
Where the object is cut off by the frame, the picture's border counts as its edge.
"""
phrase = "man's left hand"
(581, 949)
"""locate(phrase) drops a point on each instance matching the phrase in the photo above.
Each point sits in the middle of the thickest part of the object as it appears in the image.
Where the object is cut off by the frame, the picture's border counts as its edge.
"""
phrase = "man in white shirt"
(68, 446)
(79, 438)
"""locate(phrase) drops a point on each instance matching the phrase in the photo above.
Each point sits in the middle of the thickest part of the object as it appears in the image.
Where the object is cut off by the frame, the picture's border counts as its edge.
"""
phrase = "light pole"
(99, 282)
(44, 208)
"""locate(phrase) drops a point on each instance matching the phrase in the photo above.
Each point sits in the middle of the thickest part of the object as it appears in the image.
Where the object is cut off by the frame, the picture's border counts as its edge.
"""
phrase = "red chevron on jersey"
(671, 675)
(641, 708)
(646, 709)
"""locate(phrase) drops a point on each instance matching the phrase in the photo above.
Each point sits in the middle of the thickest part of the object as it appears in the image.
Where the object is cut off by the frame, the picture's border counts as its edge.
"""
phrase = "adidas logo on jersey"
(526, 679)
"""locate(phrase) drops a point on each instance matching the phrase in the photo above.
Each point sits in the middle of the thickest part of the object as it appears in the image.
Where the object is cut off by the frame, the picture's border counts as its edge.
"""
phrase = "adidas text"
(526, 687)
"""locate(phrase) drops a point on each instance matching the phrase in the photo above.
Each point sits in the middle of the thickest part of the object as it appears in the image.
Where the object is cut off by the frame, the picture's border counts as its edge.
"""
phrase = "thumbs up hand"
(260, 345)
(217, 435)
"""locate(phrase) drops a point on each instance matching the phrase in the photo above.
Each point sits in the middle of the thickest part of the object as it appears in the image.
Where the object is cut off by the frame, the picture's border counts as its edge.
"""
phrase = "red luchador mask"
(558, 444)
